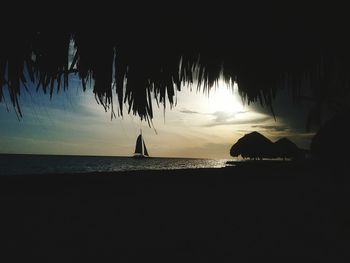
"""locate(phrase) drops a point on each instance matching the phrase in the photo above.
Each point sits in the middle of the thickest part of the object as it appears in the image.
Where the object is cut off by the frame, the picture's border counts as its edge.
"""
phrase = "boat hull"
(141, 156)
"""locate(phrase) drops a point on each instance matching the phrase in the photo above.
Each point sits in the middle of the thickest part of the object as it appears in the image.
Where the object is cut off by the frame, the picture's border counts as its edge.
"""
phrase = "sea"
(28, 164)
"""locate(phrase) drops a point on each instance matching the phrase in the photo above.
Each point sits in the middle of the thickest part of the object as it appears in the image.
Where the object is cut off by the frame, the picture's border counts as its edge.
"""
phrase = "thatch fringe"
(158, 56)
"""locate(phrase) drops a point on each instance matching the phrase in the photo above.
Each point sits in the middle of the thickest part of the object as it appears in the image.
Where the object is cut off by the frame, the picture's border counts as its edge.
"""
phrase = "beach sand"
(279, 212)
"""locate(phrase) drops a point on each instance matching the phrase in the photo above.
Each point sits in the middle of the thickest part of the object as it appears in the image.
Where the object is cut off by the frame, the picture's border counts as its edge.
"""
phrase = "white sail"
(140, 148)
(145, 149)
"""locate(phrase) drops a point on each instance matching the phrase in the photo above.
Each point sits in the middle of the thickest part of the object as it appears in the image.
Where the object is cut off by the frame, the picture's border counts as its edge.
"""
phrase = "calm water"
(46, 164)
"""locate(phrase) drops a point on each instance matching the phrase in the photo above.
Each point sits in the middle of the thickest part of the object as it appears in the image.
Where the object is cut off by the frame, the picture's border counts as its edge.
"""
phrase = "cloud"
(184, 110)
(277, 128)
(190, 111)
(225, 118)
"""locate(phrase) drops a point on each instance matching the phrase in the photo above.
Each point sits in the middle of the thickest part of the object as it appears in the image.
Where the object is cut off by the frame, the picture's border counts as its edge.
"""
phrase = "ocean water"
(18, 164)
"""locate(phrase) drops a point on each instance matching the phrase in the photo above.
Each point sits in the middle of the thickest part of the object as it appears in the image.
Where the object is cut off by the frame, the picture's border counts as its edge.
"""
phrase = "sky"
(199, 126)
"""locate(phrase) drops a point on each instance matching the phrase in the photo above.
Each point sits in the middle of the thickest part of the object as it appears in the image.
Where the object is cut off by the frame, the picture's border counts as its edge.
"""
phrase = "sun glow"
(224, 98)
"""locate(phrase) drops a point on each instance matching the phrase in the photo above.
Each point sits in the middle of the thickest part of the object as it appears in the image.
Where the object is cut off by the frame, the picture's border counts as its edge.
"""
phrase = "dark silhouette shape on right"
(332, 140)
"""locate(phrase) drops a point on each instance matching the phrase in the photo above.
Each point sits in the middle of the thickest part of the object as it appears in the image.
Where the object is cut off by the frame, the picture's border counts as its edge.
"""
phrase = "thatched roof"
(132, 52)
(256, 145)
(253, 145)
(285, 148)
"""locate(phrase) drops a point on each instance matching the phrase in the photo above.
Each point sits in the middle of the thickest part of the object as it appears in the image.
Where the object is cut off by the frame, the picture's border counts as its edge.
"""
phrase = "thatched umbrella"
(284, 148)
(253, 145)
(134, 51)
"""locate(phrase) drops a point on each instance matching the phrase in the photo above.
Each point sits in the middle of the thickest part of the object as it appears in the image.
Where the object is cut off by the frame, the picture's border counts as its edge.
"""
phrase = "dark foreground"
(280, 213)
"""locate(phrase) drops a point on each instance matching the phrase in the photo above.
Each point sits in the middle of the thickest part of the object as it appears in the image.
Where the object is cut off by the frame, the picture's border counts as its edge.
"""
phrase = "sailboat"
(140, 149)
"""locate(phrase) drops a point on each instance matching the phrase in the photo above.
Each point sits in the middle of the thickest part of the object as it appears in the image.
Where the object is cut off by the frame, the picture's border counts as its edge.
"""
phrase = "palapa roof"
(253, 144)
(136, 52)
(286, 148)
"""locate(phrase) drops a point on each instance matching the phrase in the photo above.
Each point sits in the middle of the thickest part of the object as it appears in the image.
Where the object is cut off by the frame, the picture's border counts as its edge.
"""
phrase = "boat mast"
(142, 150)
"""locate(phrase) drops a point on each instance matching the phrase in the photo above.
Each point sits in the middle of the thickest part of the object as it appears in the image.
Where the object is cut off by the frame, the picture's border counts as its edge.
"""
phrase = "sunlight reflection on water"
(47, 164)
